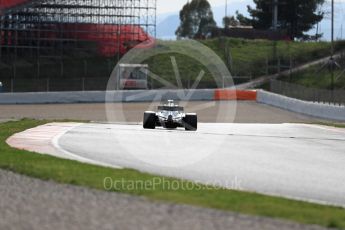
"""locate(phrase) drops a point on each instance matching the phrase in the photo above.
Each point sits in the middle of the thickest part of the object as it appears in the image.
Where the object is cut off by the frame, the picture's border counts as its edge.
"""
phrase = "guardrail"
(325, 111)
(125, 96)
(320, 110)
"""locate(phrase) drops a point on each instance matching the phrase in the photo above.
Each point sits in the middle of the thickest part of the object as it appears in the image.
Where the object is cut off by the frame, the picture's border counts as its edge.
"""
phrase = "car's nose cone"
(170, 118)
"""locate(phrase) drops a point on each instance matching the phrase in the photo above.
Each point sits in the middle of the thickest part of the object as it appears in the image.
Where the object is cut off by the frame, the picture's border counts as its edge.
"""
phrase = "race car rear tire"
(191, 122)
(149, 120)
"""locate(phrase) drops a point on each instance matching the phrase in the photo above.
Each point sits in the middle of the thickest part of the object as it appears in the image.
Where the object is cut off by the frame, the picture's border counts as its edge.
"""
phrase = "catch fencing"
(336, 97)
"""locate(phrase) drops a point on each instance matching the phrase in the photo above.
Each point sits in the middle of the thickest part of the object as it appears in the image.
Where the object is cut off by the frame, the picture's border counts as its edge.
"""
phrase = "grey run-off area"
(247, 112)
(28, 203)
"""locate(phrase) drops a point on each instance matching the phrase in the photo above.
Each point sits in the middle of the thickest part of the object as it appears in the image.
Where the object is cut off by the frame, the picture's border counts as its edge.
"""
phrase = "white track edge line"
(55, 143)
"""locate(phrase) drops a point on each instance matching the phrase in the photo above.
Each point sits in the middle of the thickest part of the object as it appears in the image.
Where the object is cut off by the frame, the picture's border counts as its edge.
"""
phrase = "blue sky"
(165, 6)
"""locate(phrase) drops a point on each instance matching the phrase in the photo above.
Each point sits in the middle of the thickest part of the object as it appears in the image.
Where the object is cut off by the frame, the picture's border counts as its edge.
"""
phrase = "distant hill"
(168, 23)
(167, 27)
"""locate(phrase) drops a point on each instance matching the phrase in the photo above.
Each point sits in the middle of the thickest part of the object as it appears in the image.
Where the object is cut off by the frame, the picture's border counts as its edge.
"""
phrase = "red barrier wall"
(107, 38)
(226, 94)
(4, 4)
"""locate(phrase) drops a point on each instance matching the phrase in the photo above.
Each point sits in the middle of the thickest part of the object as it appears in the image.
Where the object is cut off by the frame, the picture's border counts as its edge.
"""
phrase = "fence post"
(85, 68)
(290, 70)
(14, 70)
(83, 84)
(38, 69)
(61, 68)
(109, 66)
(152, 87)
(278, 66)
(316, 98)
(12, 87)
(48, 82)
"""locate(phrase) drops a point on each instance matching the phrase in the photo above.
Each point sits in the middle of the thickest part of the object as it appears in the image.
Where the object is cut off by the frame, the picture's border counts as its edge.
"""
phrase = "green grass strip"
(71, 172)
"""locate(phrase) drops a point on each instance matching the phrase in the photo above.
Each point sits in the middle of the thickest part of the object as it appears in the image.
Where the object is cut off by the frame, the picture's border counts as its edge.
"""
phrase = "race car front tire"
(191, 122)
(149, 120)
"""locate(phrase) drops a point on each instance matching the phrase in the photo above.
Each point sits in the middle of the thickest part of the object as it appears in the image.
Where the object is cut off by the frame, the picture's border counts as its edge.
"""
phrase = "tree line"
(295, 17)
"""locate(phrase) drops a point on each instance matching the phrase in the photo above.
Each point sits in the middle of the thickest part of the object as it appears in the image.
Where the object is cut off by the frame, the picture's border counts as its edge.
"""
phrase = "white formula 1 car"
(170, 116)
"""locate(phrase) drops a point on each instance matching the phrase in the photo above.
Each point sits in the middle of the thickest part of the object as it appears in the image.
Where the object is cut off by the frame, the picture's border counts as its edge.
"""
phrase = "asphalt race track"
(297, 161)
